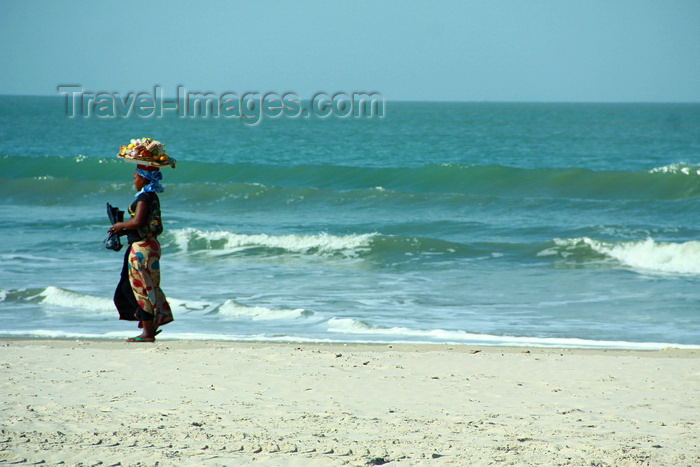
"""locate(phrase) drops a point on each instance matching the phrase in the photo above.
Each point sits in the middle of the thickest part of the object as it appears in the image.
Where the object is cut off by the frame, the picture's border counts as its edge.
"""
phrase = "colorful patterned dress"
(138, 296)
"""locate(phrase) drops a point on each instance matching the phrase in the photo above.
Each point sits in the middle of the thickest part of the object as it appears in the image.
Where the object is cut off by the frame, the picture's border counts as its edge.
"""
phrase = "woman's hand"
(117, 228)
(134, 223)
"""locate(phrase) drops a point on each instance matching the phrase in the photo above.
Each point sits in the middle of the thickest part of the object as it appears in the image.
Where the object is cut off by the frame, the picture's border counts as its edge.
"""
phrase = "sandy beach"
(222, 403)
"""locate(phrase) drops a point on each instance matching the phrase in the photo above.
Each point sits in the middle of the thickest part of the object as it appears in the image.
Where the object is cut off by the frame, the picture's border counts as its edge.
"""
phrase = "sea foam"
(233, 309)
(68, 299)
(350, 326)
(686, 169)
(56, 297)
(191, 239)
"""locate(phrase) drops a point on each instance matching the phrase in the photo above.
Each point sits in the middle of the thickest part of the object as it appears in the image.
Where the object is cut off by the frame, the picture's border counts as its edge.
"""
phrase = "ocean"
(538, 224)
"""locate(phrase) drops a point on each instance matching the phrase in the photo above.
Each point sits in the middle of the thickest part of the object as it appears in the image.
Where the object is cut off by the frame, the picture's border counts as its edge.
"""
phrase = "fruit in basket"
(146, 151)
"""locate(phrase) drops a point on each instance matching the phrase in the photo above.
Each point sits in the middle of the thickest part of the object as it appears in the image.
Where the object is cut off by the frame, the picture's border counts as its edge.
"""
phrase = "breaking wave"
(645, 255)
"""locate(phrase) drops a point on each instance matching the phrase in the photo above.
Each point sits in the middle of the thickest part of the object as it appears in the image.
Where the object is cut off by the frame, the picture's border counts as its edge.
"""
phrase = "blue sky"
(461, 50)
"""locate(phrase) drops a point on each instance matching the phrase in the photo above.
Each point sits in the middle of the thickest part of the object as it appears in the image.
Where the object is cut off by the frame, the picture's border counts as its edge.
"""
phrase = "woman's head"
(147, 178)
(139, 181)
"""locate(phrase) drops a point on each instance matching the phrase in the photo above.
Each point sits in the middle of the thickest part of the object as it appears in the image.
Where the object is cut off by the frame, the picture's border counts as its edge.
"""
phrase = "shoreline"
(525, 344)
(269, 403)
(459, 347)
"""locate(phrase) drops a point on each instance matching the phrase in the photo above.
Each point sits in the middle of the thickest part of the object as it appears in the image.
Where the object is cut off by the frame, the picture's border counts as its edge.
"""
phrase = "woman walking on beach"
(138, 296)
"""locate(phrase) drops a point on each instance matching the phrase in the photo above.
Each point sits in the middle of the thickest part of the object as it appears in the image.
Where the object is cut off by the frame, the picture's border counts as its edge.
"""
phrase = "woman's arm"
(135, 222)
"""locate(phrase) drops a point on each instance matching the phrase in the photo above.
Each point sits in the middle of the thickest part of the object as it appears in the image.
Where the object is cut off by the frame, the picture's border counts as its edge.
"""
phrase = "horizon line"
(461, 101)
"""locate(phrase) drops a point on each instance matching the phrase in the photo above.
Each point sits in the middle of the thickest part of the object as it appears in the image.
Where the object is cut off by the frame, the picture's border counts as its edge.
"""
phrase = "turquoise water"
(525, 224)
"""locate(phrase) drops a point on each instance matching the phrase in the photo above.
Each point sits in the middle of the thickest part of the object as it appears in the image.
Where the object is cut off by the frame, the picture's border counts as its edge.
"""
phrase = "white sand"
(217, 403)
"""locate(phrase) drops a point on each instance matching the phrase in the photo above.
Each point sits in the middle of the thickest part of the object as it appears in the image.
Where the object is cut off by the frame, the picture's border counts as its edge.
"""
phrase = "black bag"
(112, 242)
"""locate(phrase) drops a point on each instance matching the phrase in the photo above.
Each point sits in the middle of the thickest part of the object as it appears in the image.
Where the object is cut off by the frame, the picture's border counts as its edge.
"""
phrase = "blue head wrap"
(154, 177)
